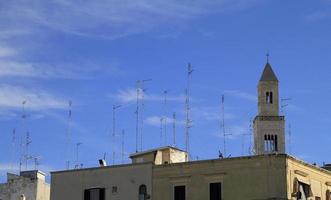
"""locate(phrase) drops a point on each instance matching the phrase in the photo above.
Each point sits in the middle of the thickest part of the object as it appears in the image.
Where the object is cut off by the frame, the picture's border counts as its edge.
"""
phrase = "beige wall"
(70, 185)
(245, 178)
(311, 175)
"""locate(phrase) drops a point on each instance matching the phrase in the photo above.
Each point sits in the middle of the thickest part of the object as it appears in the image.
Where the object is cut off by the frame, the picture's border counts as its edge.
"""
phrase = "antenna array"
(68, 135)
(188, 123)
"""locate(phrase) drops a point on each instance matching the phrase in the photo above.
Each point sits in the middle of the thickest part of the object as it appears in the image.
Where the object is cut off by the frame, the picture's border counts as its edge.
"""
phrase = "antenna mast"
(115, 107)
(161, 131)
(122, 149)
(174, 128)
(143, 90)
(289, 138)
(27, 156)
(188, 123)
(68, 134)
(223, 126)
(13, 148)
(165, 92)
(137, 114)
(77, 155)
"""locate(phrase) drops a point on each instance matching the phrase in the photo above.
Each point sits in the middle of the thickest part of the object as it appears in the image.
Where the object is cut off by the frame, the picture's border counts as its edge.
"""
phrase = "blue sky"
(92, 53)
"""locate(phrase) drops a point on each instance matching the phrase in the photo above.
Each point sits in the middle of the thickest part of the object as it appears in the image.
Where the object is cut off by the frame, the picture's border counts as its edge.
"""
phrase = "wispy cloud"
(117, 18)
(156, 121)
(318, 15)
(240, 94)
(6, 52)
(13, 96)
(130, 95)
(14, 68)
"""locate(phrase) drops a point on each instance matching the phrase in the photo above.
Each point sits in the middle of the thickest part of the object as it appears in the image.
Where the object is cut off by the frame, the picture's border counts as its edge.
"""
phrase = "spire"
(268, 74)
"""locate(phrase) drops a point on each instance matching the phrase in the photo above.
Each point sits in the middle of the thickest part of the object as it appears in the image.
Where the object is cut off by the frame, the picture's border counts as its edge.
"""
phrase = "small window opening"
(143, 192)
(270, 143)
(215, 191)
(180, 192)
(114, 190)
(269, 99)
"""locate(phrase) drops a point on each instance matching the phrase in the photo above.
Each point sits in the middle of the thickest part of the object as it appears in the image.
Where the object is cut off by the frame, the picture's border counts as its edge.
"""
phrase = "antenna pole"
(174, 128)
(188, 124)
(289, 138)
(143, 90)
(161, 131)
(137, 114)
(223, 125)
(77, 154)
(115, 107)
(68, 134)
(165, 92)
(122, 149)
(28, 141)
(13, 146)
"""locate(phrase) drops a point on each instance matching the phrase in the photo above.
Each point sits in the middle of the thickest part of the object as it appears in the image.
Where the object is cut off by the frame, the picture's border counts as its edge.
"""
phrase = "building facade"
(29, 185)
(167, 174)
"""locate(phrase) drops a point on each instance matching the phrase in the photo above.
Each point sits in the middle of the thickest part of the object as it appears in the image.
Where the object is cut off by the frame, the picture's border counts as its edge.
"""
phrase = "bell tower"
(269, 127)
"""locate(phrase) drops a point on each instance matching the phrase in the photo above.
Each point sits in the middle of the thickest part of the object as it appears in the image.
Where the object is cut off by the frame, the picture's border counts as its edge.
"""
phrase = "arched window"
(142, 192)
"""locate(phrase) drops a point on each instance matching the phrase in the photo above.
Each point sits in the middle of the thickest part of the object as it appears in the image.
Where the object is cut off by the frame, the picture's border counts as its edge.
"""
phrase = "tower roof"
(268, 74)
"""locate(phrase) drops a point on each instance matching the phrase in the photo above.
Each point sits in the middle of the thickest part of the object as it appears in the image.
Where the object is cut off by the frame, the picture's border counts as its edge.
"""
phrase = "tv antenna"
(188, 123)
(122, 148)
(140, 111)
(165, 93)
(77, 155)
(115, 107)
(69, 134)
(161, 131)
(223, 126)
(289, 138)
(13, 148)
(174, 128)
(283, 104)
(36, 162)
(27, 156)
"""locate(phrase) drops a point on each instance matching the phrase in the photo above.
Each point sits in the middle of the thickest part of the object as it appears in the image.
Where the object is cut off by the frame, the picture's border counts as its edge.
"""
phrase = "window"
(270, 143)
(304, 191)
(180, 192)
(94, 194)
(114, 190)
(143, 192)
(328, 195)
(317, 198)
(269, 99)
(215, 191)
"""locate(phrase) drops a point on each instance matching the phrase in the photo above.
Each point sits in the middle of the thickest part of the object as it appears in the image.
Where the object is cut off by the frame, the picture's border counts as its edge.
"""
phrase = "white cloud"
(6, 52)
(240, 94)
(156, 121)
(117, 18)
(130, 95)
(13, 96)
(46, 71)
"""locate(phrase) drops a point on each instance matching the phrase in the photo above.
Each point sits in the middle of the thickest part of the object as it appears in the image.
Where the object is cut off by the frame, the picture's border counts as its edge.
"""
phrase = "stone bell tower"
(269, 127)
